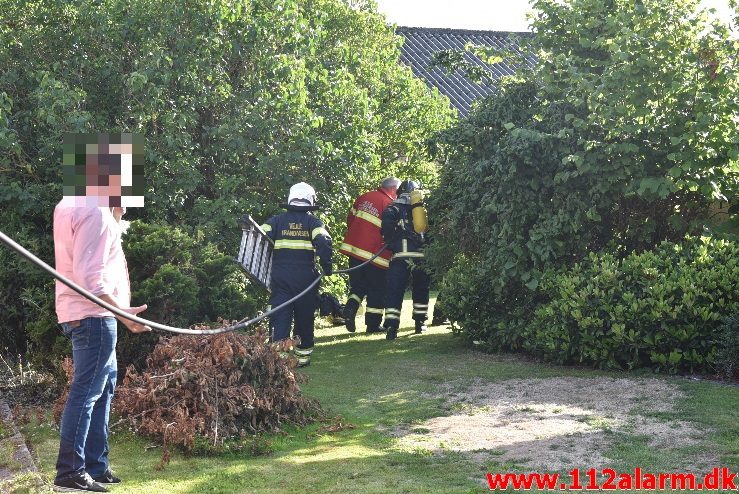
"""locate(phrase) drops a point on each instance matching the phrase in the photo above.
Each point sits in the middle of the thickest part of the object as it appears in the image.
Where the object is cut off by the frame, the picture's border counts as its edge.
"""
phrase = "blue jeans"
(84, 427)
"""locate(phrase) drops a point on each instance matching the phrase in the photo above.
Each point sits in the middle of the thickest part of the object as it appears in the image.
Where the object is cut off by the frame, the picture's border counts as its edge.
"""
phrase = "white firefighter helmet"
(302, 194)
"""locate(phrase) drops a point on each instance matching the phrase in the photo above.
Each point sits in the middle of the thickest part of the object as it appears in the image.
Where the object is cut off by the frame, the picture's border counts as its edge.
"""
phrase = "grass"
(4, 430)
(378, 385)
(6, 456)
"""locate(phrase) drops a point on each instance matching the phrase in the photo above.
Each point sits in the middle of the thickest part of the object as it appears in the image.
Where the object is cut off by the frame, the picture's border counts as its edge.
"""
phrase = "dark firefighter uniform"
(407, 262)
(361, 242)
(298, 236)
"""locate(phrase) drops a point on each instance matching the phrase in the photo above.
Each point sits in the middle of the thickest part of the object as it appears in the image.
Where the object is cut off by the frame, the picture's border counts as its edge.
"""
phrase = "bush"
(727, 348)
(184, 280)
(26, 292)
(577, 156)
(661, 309)
(494, 321)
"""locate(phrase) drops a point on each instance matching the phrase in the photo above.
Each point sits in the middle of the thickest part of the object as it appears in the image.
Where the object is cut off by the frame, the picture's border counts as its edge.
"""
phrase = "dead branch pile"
(215, 387)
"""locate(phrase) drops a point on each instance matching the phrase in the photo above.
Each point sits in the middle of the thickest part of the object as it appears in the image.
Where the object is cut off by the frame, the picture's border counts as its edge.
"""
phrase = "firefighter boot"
(350, 312)
(392, 333)
(420, 327)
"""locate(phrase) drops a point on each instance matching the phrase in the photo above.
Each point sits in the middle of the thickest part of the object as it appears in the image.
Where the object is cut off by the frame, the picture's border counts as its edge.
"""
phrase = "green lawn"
(382, 387)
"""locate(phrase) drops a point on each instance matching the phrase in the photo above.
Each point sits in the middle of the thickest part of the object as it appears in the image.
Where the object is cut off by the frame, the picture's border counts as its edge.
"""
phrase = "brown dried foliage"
(40, 415)
(22, 417)
(68, 368)
(217, 388)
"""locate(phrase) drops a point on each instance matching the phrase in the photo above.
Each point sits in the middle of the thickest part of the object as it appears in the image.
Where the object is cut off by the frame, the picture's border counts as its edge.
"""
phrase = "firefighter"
(362, 240)
(406, 242)
(298, 236)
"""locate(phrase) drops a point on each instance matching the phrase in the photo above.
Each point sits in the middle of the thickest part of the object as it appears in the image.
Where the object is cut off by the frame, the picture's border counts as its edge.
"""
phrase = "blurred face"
(108, 173)
(101, 173)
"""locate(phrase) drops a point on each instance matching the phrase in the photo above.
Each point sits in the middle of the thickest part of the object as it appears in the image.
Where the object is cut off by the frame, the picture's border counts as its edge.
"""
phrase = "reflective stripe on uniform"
(380, 261)
(391, 313)
(303, 355)
(319, 231)
(266, 227)
(293, 244)
(420, 309)
(369, 217)
(356, 297)
(372, 310)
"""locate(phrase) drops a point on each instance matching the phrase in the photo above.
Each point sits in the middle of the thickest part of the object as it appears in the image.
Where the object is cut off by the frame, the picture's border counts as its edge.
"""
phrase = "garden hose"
(374, 256)
(155, 325)
(338, 271)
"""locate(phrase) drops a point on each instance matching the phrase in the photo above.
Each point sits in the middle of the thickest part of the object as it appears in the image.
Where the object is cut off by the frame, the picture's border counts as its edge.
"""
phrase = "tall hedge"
(664, 308)
(237, 101)
(620, 138)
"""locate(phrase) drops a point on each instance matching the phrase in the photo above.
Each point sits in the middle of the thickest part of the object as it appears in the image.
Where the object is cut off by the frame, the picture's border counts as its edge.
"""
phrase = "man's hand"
(132, 326)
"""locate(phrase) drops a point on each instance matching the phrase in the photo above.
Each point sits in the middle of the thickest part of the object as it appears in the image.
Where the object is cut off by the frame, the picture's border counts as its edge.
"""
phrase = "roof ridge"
(445, 30)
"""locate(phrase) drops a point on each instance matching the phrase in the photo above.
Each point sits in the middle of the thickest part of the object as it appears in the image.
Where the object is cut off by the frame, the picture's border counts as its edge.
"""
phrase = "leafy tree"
(237, 101)
(621, 137)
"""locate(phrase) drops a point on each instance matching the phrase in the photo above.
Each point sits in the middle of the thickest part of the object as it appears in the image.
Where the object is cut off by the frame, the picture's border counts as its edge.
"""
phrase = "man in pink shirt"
(88, 250)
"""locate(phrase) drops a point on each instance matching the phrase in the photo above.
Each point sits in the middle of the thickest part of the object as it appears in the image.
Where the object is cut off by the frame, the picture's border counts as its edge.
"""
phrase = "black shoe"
(391, 334)
(78, 483)
(107, 478)
(375, 329)
(420, 327)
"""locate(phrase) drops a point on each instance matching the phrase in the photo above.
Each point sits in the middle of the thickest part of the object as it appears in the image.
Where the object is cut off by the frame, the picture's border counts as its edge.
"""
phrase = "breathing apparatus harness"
(419, 216)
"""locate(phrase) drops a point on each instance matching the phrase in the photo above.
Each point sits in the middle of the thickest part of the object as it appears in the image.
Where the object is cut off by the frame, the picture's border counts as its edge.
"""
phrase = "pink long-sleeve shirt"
(88, 250)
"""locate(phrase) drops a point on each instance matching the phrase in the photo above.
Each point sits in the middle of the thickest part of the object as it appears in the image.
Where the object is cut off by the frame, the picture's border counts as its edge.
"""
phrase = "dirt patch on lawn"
(554, 423)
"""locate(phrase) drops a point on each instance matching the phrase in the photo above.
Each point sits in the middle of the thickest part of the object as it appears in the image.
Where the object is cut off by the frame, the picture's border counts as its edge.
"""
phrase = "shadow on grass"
(379, 386)
(380, 473)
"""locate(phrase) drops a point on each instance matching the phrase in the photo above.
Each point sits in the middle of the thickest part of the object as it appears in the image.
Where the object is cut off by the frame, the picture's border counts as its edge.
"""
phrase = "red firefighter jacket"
(363, 237)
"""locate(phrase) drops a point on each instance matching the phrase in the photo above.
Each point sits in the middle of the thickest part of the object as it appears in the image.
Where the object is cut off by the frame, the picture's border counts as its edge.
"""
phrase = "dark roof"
(420, 43)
